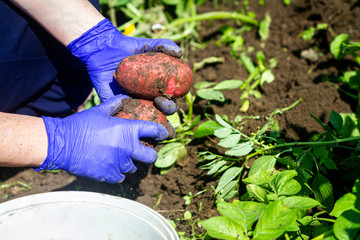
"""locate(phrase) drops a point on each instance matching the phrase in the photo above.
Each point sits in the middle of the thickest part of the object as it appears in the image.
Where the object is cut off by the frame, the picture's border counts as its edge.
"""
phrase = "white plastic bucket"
(81, 215)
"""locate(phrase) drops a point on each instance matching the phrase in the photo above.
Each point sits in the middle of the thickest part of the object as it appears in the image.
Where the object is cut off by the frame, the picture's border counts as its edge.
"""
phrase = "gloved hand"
(103, 47)
(92, 144)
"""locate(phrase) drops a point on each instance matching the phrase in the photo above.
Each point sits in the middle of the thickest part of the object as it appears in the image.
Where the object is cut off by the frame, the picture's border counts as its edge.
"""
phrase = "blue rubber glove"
(103, 47)
(92, 144)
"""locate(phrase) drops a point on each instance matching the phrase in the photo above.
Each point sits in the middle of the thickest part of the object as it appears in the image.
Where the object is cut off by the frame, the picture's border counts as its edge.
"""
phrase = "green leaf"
(262, 163)
(257, 192)
(230, 141)
(308, 34)
(227, 177)
(350, 126)
(347, 226)
(174, 119)
(280, 180)
(264, 27)
(170, 154)
(245, 213)
(323, 191)
(304, 203)
(249, 65)
(223, 132)
(171, 2)
(290, 188)
(336, 120)
(241, 149)
(352, 78)
(210, 94)
(275, 220)
(346, 202)
(287, 2)
(335, 46)
(229, 190)
(245, 104)
(261, 178)
(266, 77)
(350, 47)
(228, 84)
(222, 122)
(216, 167)
(202, 85)
(223, 228)
(356, 188)
(206, 129)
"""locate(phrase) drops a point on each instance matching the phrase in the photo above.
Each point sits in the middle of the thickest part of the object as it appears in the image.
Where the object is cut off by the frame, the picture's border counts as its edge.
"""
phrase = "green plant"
(309, 33)
(341, 47)
(284, 194)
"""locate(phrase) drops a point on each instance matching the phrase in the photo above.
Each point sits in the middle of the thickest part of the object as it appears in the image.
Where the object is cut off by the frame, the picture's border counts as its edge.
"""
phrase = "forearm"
(66, 20)
(23, 140)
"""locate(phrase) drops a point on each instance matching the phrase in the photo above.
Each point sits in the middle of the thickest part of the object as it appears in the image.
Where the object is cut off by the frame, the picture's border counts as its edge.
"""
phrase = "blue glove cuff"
(95, 38)
(55, 144)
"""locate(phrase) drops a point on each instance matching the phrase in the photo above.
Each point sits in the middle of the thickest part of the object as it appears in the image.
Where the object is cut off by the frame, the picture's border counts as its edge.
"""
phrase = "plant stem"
(216, 15)
(189, 101)
(325, 219)
(296, 144)
(112, 15)
(250, 78)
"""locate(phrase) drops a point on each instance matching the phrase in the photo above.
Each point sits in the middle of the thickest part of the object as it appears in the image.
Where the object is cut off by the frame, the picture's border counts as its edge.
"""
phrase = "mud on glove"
(103, 47)
(95, 145)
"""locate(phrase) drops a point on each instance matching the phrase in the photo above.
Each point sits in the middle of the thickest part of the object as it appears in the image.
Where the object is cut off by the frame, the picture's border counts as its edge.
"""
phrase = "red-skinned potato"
(141, 109)
(154, 74)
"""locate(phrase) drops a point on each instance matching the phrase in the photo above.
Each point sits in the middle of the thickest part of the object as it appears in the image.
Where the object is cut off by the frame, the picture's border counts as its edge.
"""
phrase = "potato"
(154, 74)
(142, 109)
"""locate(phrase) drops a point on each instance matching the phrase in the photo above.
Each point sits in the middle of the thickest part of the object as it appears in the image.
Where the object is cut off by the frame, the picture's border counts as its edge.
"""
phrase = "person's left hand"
(103, 47)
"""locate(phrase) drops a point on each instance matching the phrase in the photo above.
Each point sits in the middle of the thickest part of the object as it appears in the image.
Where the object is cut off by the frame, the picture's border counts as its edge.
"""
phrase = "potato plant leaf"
(351, 126)
(262, 163)
(261, 178)
(278, 183)
(170, 154)
(323, 191)
(245, 213)
(347, 225)
(299, 202)
(352, 78)
(290, 188)
(275, 220)
(335, 46)
(223, 228)
(257, 192)
(336, 120)
(206, 129)
(356, 188)
(350, 47)
(346, 202)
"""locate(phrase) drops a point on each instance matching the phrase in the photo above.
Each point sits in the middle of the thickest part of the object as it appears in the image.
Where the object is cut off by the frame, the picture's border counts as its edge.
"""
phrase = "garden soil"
(295, 78)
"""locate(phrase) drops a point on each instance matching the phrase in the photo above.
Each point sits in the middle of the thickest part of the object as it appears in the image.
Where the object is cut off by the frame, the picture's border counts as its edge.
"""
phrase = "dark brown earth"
(295, 78)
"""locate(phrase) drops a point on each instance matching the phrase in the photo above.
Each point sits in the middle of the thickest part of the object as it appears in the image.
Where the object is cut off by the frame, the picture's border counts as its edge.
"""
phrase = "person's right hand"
(95, 145)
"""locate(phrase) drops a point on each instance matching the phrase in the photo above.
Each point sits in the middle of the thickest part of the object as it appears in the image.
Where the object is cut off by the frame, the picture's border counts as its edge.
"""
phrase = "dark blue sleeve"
(38, 76)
